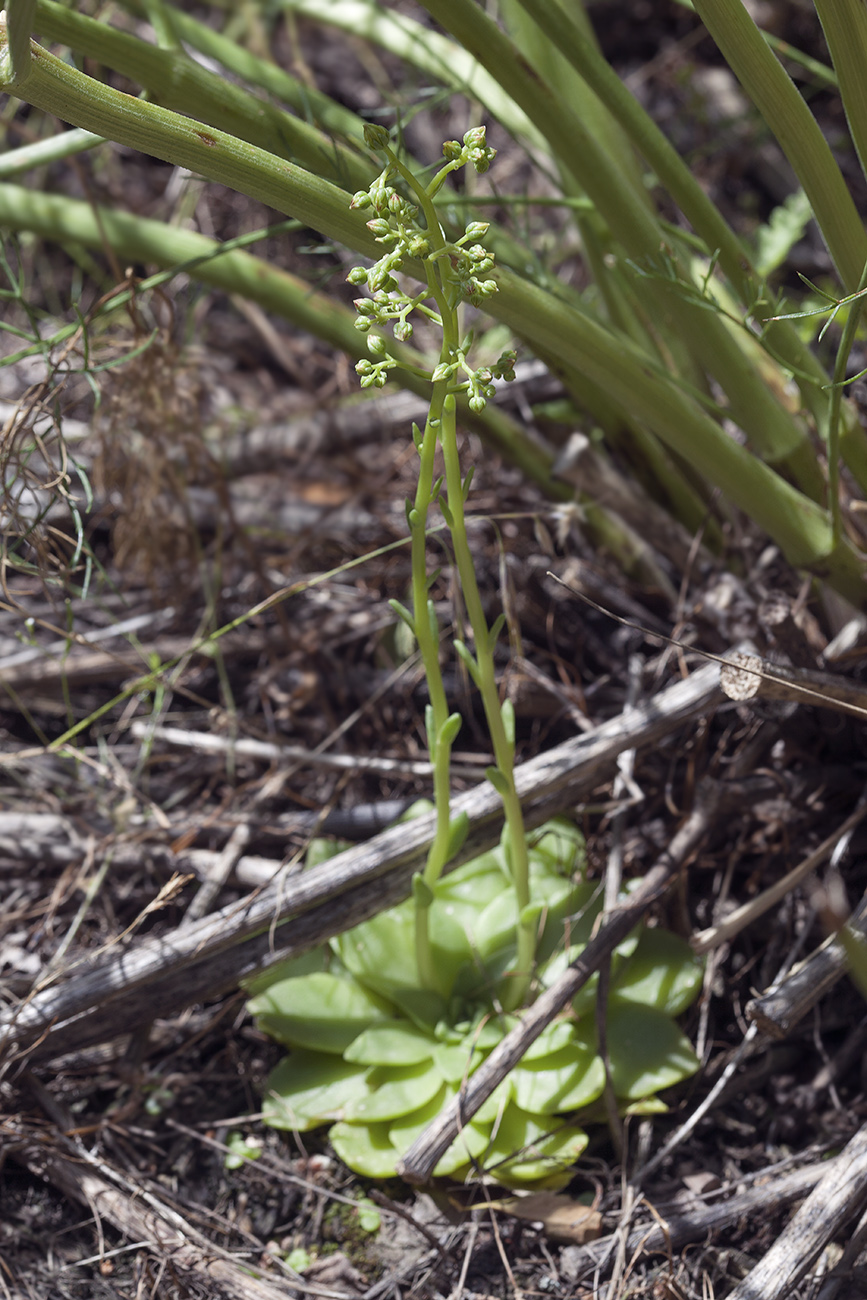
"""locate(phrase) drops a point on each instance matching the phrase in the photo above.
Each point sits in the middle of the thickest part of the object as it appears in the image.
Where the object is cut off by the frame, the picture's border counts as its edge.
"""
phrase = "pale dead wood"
(82, 666)
(756, 907)
(748, 677)
(778, 1011)
(143, 1218)
(833, 1203)
(300, 910)
(677, 1225)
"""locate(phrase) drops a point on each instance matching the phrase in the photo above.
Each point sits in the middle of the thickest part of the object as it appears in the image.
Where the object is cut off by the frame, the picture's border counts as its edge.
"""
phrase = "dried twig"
(295, 913)
(833, 1203)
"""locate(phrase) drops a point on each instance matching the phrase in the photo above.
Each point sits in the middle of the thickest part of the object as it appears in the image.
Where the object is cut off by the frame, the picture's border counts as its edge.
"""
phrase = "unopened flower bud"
(375, 137)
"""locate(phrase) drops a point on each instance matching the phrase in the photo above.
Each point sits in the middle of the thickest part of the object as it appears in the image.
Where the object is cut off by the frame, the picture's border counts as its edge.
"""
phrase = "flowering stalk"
(453, 272)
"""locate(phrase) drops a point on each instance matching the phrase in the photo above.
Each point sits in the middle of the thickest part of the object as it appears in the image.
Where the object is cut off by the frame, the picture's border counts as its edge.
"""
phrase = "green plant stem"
(427, 637)
(177, 82)
(772, 431)
(44, 152)
(57, 88)
(787, 115)
(847, 340)
(844, 23)
(503, 747)
(444, 406)
(572, 36)
(626, 374)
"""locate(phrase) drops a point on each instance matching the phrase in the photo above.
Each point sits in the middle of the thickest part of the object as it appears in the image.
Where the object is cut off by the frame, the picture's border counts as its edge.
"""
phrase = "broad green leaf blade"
(308, 1089)
(527, 1149)
(398, 1044)
(663, 972)
(395, 1092)
(366, 1148)
(320, 1011)
(647, 1051)
(564, 1080)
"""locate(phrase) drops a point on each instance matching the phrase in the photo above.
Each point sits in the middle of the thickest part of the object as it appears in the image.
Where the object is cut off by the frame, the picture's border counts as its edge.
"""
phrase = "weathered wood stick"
(553, 779)
(832, 1204)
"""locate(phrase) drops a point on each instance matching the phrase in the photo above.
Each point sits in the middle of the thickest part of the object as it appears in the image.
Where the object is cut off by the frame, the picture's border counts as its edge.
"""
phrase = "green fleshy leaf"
(507, 709)
(458, 831)
(450, 728)
(467, 659)
(454, 1064)
(397, 1044)
(493, 636)
(404, 1131)
(561, 846)
(308, 1089)
(564, 1080)
(321, 1011)
(314, 960)
(663, 972)
(395, 1091)
(553, 1037)
(366, 1148)
(404, 614)
(526, 1150)
(422, 894)
(494, 1107)
(497, 780)
(647, 1106)
(647, 1051)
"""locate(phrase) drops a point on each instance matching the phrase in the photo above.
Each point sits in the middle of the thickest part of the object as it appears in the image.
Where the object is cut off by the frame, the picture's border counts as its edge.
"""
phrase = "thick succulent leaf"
(554, 1036)
(308, 1089)
(647, 1051)
(560, 846)
(468, 1145)
(454, 1064)
(528, 1148)
(395, 1092)
(291, 967)
(381, 952)
(394, 1044)
(663, 972)
(403, 1131)
(564, 1080)
(366, 1148)
(321, 1011)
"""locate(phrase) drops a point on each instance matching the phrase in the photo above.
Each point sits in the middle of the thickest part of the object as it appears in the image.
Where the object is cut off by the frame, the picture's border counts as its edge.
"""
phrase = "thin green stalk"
(617, 367)
(44, 152)
(570, 33)
(502, 743)
(847, 340)
(57, 88)
(771, 429)
(844, 23)
(787, 115)
(177, 82)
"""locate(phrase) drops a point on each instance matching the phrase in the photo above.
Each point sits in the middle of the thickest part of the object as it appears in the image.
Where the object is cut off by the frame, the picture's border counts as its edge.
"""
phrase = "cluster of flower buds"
(394, 223)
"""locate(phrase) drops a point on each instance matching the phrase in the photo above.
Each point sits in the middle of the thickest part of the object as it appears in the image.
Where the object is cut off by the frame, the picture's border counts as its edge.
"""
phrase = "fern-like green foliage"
(376, 1056)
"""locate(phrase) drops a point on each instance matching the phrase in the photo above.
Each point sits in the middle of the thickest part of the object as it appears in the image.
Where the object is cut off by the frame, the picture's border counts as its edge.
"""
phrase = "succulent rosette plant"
(376, 1055)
